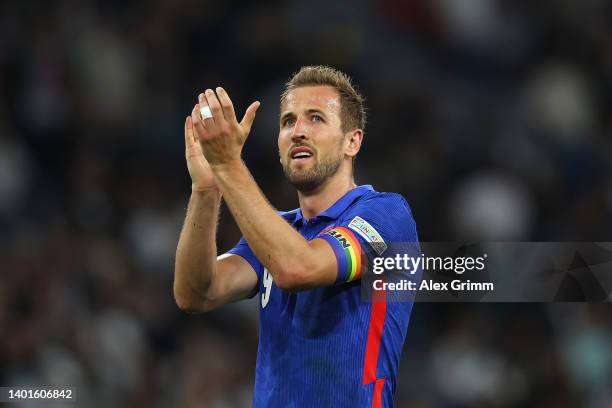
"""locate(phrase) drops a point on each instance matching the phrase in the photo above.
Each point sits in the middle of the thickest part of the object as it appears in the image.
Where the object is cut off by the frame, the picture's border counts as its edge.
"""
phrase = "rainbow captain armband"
(348, 253)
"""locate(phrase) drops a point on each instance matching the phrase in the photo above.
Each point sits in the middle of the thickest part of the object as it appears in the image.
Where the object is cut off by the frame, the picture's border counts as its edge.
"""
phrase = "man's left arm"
(294, 262)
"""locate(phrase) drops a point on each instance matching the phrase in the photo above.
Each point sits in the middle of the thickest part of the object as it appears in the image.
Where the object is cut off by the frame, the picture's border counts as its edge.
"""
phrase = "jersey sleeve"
(243, 249)
(367, 230)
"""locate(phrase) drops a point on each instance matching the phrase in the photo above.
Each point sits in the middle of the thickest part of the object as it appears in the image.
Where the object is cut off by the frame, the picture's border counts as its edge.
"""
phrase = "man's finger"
(214, 105)
(189, 138)
(205, 111)
(199, 127)
(227, 105)
(196, 119)
(249, 115)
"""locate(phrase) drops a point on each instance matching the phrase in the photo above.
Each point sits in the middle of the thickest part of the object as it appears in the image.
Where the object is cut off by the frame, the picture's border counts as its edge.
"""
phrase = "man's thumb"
(249, 115)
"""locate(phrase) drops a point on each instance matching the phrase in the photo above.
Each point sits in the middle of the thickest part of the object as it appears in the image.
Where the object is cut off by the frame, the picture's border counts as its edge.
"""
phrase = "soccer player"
(320, 344)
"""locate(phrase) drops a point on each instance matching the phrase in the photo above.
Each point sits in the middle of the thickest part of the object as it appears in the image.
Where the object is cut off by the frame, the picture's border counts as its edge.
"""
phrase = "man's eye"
(317, 118)
(289, 122)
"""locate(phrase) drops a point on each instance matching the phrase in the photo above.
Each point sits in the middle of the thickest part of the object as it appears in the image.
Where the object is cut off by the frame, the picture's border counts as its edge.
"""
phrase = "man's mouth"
(301, 153)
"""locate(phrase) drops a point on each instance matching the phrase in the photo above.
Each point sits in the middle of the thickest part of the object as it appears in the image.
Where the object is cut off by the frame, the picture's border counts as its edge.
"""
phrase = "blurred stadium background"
(493, 118)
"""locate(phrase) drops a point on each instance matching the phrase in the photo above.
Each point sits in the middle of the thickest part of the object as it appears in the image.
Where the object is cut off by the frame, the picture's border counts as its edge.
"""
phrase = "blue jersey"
(326, 347)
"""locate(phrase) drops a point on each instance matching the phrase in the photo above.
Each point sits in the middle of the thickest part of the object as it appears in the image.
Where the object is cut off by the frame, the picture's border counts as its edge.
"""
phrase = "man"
(320, 344)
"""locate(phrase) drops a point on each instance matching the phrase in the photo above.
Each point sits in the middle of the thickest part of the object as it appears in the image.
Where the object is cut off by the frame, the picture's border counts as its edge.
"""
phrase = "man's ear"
(354, 139)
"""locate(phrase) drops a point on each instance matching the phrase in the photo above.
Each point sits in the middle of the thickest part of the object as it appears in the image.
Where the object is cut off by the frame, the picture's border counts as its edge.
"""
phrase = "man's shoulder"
(382, 200)
(382, 215)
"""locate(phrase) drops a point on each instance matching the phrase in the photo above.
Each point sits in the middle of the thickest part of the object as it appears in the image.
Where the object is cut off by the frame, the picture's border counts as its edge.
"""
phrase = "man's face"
(311, 141)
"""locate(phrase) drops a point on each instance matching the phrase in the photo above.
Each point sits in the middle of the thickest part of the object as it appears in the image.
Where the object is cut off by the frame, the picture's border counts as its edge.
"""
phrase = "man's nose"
(300, 131)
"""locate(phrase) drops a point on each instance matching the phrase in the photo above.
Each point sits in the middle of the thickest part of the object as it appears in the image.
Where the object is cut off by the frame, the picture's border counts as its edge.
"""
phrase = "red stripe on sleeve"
(378, 389)
(377, 321)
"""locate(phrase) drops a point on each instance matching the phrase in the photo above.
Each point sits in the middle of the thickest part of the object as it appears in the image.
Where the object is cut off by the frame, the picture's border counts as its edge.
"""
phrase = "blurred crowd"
(492, 118)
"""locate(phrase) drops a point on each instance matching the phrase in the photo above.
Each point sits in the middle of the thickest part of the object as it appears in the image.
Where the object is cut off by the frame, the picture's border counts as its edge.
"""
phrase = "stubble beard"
(310, 179)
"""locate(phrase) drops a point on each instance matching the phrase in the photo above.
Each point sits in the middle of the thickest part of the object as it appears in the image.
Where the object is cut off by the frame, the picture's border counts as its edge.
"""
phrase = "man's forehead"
(324, 98)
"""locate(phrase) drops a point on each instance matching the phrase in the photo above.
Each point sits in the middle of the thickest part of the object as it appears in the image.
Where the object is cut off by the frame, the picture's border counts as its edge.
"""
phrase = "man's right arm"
(203, 281)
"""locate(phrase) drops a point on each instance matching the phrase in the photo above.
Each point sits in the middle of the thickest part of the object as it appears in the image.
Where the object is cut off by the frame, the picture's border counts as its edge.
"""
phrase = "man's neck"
(315, 202)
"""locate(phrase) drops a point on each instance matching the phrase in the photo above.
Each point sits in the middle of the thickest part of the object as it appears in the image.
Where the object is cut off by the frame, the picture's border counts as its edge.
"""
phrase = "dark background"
(492, 118)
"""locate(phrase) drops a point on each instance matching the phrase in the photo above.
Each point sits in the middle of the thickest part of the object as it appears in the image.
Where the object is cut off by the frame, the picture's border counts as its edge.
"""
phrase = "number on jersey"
(267, 282)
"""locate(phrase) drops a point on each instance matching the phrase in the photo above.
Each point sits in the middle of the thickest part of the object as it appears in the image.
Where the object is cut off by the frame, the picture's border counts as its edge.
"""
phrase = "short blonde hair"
(352, 109)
